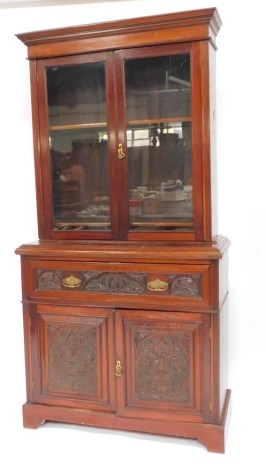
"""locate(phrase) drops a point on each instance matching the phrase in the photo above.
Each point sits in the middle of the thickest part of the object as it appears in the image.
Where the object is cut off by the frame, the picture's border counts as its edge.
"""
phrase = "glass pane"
(159, 143)
(76, 94)
(158, 87)
(78, 147)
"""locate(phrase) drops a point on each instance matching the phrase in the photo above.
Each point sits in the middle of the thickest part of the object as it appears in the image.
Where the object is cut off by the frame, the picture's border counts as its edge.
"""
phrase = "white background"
(241, 132)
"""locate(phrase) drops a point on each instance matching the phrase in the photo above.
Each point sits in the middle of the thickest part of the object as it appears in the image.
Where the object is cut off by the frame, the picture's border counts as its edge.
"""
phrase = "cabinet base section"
(212, 436)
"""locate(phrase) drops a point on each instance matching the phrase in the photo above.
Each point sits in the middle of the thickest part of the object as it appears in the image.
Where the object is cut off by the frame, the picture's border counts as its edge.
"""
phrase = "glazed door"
(163, 364)
(160, 133)
(120, 153)
(77, 128)
(73, 357)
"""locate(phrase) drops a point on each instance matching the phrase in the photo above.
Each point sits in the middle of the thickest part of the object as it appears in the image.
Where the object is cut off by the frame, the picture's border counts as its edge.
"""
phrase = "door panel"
(76, 151)
(158, 87)
(164, 367)
(75, 356)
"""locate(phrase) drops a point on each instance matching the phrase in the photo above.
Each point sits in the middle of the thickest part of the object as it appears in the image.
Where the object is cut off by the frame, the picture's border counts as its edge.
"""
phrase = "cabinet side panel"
(223, 353)
(28, 351)
(36, 145)
(213, 138)
(219, 362)
(205, 138)
(223, 278)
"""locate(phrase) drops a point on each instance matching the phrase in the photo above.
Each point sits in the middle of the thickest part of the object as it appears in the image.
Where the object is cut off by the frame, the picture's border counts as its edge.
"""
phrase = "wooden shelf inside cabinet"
(63, 127)
(140, 122)
(125, 292)
(148, 122)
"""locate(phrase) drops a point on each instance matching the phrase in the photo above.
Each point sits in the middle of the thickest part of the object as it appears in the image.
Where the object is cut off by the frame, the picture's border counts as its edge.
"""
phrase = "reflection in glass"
(78, 146)
(158, 98)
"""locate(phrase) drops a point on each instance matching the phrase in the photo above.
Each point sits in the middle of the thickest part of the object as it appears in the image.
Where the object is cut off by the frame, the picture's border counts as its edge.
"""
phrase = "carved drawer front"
(190, 283)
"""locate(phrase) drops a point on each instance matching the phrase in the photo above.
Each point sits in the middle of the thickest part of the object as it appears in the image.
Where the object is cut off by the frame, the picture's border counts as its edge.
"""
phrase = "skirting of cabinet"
(212, 436)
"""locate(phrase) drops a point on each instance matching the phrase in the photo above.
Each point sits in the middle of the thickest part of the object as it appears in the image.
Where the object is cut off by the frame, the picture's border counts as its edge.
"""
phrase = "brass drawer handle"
(71, 281)
(157, 285)
(118, 369)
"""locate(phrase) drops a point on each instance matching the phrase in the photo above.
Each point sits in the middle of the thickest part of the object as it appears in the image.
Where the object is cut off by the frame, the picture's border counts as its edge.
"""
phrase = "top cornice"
(185, 26)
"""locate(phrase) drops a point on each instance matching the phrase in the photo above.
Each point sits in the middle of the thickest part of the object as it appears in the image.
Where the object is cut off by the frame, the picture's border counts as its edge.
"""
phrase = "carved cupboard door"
(74, 357)
(164, 361)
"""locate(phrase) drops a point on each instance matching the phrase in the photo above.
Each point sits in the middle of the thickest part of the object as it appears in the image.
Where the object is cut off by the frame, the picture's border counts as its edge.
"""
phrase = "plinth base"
(212, 436)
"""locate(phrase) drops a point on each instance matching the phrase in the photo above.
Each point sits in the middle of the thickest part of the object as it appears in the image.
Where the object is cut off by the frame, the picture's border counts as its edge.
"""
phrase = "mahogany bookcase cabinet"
(125, 292)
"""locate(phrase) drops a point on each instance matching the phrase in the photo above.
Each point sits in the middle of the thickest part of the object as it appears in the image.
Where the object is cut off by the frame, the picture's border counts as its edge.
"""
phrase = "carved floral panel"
(72, 359)
(162, 367)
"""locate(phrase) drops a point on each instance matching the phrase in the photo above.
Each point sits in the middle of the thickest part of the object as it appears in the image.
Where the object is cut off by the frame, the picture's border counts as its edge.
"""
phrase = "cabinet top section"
(194, 25)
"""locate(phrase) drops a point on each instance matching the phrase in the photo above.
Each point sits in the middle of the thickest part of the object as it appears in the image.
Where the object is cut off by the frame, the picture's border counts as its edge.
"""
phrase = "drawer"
(120, 283)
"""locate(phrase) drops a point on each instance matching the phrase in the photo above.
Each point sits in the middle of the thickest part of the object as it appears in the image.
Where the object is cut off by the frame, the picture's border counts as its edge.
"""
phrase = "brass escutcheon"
(120, 152)
(118, 369)
(157, 285)
(71, 281)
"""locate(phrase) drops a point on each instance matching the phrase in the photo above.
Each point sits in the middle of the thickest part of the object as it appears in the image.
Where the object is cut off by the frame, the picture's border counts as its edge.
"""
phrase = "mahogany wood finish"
(127, 330)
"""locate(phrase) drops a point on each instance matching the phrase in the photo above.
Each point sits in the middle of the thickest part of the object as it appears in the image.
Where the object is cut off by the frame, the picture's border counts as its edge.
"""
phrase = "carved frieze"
(121, 283)
(186, 285)
(49, 280)
(181, 285)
